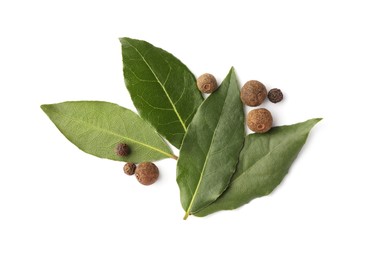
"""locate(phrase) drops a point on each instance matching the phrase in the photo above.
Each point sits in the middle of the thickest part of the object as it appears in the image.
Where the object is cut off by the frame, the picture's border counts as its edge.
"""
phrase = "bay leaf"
(264, 161)
(96, 128)
(210, 149)
(162, 88)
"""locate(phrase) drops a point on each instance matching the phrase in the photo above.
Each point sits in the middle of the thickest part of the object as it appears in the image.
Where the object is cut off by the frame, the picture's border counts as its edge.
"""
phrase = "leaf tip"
(125, 40)
(44, 107)
(316, 120)
(232, 73)
(122, 39)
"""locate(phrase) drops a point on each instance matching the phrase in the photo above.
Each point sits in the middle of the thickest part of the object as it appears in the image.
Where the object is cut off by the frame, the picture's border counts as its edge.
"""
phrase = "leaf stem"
(186, 215)
(173, 156)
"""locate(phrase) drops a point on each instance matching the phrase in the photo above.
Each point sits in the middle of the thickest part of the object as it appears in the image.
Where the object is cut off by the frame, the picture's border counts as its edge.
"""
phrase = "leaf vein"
(113, 133)
(162, 86)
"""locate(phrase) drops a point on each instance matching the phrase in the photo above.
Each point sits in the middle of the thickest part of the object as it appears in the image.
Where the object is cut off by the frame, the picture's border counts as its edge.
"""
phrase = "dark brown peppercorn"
(129, 168)
(253, 93)
(122, 149)
(146, 173)
(259, 120)
(206, 83)
(275, 95)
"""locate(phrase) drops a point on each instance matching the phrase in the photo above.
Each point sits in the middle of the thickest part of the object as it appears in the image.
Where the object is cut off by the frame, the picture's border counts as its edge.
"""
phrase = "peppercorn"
(206, 83)
(253, 93)
(122, 149)
(129, 168)
(275, 95)
(259, 120)
(146, 173)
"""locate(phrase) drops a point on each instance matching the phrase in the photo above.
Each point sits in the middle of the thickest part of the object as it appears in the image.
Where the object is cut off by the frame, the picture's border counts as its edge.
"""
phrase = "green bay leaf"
(96, 128)
(211, 147)
(162, 88)
(264, 161)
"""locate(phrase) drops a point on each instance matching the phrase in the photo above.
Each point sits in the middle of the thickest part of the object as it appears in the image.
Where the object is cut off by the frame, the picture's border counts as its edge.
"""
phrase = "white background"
(57, 202)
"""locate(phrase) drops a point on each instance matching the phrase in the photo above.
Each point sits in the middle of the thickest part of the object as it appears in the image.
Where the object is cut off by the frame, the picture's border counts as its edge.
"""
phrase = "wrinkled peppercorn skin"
(129, 168)
(146, 173)
(253, 93)
(275, 95)
(122, 149)
(259, 120)
(206, 83)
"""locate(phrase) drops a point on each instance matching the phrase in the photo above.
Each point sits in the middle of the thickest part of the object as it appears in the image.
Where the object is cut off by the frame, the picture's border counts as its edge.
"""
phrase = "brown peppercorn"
(275, 95)
(122, 149)
(206, 83)
(129, 168)
(146, 173)
(259, 120)
(253, 93)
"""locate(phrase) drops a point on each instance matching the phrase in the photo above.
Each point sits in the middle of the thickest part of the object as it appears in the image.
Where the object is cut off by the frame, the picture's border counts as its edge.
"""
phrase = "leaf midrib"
(162, 86)
(112, 133)
(206, 160)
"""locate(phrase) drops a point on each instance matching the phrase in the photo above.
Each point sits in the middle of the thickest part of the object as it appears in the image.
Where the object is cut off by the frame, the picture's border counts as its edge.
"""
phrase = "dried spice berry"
(259, 120)
(129, 168)
(253, 93)
(275, 95)
(206, 83)
(122, 149)
(146, 173)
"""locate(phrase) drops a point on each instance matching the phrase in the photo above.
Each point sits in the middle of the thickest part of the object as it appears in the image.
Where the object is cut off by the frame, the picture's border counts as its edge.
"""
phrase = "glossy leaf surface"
(96, 128)
(211, 147)
(162, 88)
(264, 161)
